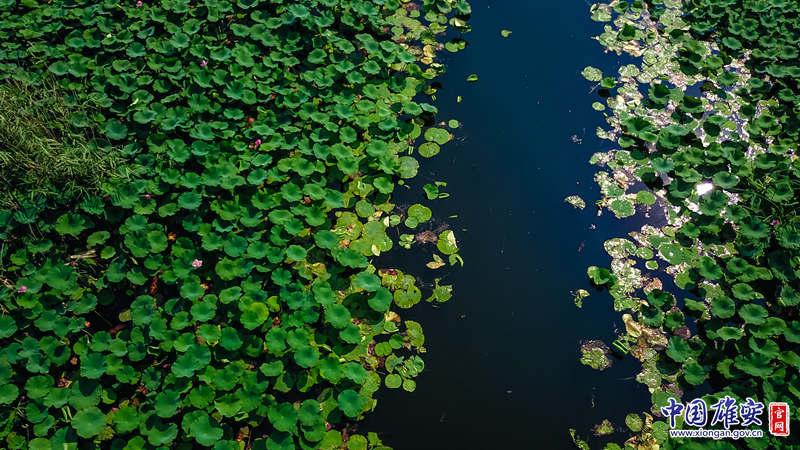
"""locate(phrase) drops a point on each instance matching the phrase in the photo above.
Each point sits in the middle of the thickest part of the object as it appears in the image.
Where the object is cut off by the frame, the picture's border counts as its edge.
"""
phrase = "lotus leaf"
(89, 422)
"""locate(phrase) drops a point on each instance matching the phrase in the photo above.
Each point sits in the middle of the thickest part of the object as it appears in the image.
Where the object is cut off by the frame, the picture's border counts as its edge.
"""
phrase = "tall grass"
(47, 146)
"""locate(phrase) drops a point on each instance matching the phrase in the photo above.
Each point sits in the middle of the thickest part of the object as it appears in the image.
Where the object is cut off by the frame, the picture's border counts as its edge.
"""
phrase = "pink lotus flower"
(22, 289)
(197, 263)
(257, 142)
(203, 63)
(775, 222)
(359, 96)
(147, 196)
(139, 3)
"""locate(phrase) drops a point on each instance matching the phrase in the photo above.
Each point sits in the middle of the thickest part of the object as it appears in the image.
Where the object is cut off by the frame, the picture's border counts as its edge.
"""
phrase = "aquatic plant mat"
(223, 293)
(709, 154)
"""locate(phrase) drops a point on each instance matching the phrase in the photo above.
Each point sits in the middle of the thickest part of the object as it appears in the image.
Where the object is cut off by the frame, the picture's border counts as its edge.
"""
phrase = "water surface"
(502, 368)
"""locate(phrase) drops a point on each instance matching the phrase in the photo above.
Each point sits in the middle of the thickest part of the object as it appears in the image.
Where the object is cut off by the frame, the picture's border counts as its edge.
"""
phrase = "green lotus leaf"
(729, 333)
(383, 184)
(209, 332)
(754, 229)
(93, 365)
(417, 214)
(754, 364)
(792, 332)
(381, 301)
(309, 413)
(788, 297)
(97, 238)
(167, 403)
(674, 319)
(754, 314)
(8, 326)
(230, 294)
(678, 349)
(71, 224)
(296, 253)
(671, 253)
(192, 290)
(306, 356)
(661, 299)
(745, 291)
(283, 417)
(205, 429)
(145, 116)
(645, 197)
(622, 208)
(59, 68)
(709, 269)
(367, 281)
(331, 369)
(377, 148)
(414, 333)
(627, 33)
(446, 242)
(788, 237)
(473, 77)
(351, 334)
(393, 381)
(255, 315)
(8, 393)
(725, 180)
(350, 403)
(337, 315)
(348, 136)
(89, 422)
(694, 373)
(190, 200)
(780, 191)
(227, 269)
(437, 135)
(158, 432)
(651, 316)
(429, 149)
(116, 130)
(37, 386)
(271, 369)
(229, 339)
(610, 83)
(723, 307)
(355, 372)
(599, 276)
(634, 422)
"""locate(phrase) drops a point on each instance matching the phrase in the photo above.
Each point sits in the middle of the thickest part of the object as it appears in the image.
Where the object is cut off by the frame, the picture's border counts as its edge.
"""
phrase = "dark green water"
(502, 368)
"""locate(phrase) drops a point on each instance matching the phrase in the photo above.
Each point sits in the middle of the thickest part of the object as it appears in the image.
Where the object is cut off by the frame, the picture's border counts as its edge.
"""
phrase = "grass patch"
(47, 147)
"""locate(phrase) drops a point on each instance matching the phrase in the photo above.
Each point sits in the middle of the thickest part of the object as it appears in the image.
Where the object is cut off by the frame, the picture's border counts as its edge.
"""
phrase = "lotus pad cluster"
(222, 294)
(706, 130)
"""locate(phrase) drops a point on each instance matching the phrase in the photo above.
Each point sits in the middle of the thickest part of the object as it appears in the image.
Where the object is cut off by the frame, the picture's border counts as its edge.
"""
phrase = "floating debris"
(604, 428)
(578, 296)
(595, 355)
(436, 263)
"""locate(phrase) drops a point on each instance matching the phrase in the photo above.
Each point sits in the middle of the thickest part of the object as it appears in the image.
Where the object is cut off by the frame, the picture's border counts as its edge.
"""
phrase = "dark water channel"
(502, 369)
